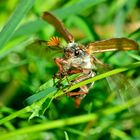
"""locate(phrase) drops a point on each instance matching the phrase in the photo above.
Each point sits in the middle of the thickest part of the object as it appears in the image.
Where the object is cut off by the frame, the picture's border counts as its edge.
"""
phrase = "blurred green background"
(25, 65)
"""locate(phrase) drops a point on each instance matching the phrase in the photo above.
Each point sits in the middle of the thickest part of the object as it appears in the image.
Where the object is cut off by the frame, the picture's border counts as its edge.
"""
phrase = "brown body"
(79, 58)
(76, 60)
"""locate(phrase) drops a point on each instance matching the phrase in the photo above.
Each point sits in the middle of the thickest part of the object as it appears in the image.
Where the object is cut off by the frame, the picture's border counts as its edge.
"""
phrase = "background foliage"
(27, 68)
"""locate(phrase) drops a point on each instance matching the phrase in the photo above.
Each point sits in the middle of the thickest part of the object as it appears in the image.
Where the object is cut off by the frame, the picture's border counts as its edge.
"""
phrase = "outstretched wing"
(50, 18)
(120, 85)
(41, 49)
(113, 44)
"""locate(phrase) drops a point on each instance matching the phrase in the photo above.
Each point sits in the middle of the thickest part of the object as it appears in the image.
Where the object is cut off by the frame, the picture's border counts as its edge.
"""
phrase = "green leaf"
(40, 95)
(47, 89)
(38, 108)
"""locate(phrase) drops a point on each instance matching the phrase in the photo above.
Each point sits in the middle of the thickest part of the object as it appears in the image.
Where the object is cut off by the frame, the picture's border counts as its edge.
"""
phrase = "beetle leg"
(59, 62)
(83, 90)
(60, 74)
(78, 96)
(76, 93)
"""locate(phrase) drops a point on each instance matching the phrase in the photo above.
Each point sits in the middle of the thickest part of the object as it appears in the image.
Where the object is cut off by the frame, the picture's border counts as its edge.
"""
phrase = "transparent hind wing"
(40, 49)
(124, 89)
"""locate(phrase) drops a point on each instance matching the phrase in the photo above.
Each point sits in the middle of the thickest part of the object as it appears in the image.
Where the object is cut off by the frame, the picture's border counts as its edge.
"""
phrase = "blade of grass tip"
(66, 135)
(21, 10)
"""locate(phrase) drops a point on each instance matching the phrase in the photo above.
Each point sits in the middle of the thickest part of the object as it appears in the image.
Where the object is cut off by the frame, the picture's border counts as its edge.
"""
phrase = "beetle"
(79, 58)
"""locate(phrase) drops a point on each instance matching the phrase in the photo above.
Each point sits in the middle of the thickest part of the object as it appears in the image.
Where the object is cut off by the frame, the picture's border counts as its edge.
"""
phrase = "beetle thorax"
(77, 57)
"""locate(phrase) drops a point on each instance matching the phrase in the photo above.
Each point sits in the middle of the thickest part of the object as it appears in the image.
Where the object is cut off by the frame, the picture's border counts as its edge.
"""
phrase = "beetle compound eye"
(76, 53)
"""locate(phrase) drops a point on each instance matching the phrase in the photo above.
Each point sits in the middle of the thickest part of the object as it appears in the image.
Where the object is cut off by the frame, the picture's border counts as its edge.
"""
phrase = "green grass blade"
(98, 77)
(29, 28)
(71, 120)
(76, 8)
(66, 135)
(21, 10)
(63, 13)
(104, 75)
(135, 34)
